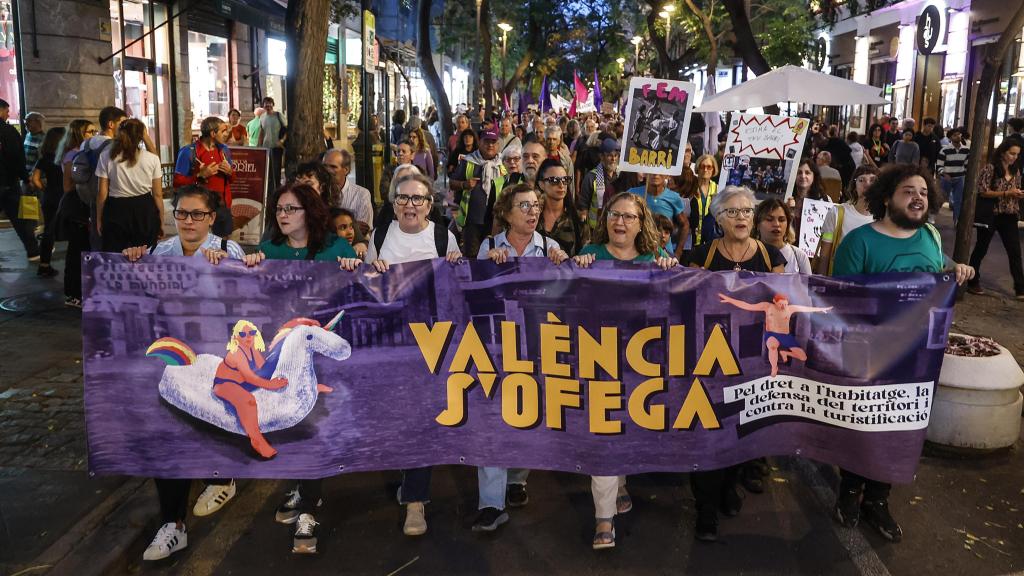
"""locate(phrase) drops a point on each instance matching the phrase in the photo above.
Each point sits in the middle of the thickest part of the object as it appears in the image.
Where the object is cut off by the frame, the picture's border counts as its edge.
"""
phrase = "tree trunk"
(425, 59)
(306, 25)
(979, 132)
(483, 21)
(746, 46)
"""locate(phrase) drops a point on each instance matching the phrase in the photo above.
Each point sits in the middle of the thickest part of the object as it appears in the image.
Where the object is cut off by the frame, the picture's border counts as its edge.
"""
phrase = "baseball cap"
(491, 134)
(609, 145)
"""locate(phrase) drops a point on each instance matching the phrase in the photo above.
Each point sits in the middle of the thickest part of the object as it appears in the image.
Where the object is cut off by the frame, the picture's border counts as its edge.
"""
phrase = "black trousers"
(873, 489)
(50, 204)
(128, 222)
(708, 487)
(10, 203)
(276, 163)
(78, 242)
(1006, 226)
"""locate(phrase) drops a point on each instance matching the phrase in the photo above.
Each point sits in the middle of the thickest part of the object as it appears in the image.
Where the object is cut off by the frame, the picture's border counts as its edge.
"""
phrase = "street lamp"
(622, 63)
(666, 13)
(636, 57)
(505, 29)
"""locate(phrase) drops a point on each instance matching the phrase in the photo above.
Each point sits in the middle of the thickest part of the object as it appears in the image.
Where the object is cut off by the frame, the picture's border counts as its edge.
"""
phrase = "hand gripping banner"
(300, 370)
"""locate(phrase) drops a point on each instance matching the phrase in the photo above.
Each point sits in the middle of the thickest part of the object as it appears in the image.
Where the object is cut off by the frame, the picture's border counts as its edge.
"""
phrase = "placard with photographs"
(657, 123)
(762, 153)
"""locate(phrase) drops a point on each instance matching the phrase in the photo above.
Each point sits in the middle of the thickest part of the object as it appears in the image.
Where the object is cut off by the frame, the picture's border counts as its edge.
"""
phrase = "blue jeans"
(493, 483)
(953, 188)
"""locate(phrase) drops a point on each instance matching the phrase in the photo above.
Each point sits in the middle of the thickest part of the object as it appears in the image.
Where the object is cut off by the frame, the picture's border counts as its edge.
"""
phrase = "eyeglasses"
(526, 207)
(514, 158)
(556, 180)
(196, 215)
(289, 209)
(737, 212)
(706, 167)
(626, 217)
(243, 333)
(90, 131)
(416, 199)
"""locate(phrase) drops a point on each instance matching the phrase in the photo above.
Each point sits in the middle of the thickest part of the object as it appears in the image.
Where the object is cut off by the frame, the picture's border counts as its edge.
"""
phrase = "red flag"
(581, 89)
(572, 109)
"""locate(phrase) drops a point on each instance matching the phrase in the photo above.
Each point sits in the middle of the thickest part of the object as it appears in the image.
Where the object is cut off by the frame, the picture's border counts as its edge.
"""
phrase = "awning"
(792, 84)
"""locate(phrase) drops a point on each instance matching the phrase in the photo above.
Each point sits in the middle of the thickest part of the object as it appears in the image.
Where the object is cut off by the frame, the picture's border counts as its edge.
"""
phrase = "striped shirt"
(952, 161)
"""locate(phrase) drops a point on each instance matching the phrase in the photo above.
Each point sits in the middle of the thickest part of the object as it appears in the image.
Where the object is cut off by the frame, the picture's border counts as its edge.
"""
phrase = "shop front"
(10, 73)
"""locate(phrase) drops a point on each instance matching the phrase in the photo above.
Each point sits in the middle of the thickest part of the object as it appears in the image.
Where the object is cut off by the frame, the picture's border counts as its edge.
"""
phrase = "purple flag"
(524, 102)
(673, 370)
(545, 96)
(597, 92)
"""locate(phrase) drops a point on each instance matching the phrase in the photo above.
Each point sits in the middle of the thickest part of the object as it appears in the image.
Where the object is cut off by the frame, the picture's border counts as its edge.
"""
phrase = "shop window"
(209, 77)
(9, 62)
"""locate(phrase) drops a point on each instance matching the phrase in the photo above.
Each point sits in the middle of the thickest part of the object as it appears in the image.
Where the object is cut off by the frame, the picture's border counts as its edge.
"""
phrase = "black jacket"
(12, 156)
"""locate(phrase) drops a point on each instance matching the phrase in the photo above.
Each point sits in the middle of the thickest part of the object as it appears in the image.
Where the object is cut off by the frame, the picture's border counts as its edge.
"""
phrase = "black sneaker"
(750, 477)
(731, 502)
(847, 511)
(489, 519)
(46, 272)
(304, 541)
(707, 524)
(876, 513)
(517, 496)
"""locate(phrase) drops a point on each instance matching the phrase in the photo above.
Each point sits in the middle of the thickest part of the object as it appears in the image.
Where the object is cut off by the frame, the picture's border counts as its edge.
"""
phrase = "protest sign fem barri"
(657, 123)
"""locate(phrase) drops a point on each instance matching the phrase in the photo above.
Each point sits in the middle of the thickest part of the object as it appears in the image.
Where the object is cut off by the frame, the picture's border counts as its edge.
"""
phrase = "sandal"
(623, 503)
(604, 539)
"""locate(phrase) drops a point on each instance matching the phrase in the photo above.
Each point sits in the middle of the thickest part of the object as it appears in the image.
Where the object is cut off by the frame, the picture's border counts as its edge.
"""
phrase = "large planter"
(977, 403)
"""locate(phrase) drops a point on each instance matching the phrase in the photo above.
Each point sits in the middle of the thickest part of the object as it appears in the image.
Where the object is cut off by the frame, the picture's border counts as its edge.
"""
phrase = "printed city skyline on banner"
(657, 123)
(762, 153)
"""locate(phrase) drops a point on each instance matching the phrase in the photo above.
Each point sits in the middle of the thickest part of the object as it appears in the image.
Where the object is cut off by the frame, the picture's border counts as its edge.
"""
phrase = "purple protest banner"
(194, 370)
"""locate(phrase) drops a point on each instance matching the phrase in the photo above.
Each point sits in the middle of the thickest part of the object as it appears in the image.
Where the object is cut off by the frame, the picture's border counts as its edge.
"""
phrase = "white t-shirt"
(400, 247)
(796, 260)
(857, 151)
(852, 219)
(129, 181)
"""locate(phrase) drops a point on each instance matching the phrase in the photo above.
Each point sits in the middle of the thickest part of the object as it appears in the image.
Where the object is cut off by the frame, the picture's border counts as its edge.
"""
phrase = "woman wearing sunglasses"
(195, 210)
(558, 221)
(627, 233)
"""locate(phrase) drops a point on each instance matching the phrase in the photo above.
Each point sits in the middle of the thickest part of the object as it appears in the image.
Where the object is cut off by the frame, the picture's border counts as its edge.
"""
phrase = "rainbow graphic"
(172, 351)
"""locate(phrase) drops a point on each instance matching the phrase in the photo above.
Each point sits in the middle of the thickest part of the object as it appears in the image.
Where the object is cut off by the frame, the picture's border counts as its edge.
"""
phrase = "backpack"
(440, 239)
(83, 172)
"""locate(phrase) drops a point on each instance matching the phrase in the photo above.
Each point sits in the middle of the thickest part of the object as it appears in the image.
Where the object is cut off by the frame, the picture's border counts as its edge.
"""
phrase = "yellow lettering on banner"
(716, 351)
(635, 352)
(510, 361)
(487, 380)
(455, 413)
(554, 339)
(602, 396)
(676, 350)
(433, 342)
(518, 413)
(560, 393)
(603, 353)
(471, 348)
(634, 158)
(654, 418)
(697, 404)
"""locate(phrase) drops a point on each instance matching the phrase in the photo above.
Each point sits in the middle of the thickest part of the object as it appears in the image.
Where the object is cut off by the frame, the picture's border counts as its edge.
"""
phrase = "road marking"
(861, 553)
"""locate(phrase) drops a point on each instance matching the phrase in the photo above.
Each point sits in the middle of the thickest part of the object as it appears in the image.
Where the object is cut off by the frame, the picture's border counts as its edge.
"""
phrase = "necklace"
(728, 254)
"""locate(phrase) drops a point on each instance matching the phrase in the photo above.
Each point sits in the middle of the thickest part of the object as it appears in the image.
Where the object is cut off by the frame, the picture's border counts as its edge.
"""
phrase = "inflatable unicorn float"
(247, 392)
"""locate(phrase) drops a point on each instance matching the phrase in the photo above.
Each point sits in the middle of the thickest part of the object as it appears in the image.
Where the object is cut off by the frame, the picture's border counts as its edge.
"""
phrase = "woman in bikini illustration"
(236, 378)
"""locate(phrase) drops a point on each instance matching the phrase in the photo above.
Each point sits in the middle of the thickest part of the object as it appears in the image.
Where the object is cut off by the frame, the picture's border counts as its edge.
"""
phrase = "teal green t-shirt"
(868, 251)
(600, 252)
(335, 247)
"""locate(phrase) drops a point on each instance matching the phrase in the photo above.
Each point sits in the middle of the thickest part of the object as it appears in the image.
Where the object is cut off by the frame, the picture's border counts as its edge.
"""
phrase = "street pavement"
(961, 515)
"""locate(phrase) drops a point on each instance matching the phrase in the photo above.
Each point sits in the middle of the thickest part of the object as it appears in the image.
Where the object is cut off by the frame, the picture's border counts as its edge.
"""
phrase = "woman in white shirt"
(411, 236)
(774, 227)
(844, 218)
(129, 206)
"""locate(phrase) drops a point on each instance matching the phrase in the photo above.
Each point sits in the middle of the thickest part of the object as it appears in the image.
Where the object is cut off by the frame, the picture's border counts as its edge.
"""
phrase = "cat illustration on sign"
(249, 392)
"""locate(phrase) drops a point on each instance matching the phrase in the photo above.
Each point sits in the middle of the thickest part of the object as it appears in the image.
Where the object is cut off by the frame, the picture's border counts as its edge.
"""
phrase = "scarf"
(490, 170)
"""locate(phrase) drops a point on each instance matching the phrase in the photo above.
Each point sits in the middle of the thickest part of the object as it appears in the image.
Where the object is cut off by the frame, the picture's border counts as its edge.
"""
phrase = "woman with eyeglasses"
(195, 210)
(628, 233)
(736, 250)
(702, 222)
(410, 237)
(844, 218)
(559, 221)
(518, 212)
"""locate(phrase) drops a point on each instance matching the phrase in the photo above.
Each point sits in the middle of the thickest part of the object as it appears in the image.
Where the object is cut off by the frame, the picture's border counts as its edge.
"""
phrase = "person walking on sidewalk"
(951, 167)
(271, 135)
(73, 214)
(998, 209)
(899, 240)
(12, 173)
(47, 178)
(35, 132)
(129, 205)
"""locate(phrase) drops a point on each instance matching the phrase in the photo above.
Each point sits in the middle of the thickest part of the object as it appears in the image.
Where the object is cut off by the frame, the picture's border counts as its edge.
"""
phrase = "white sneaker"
(304, 541)
(167, 541)
(213, 497)
(415, 521)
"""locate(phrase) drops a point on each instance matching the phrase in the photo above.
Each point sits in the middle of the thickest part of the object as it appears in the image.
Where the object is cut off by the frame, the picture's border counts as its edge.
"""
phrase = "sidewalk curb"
(98, 543)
